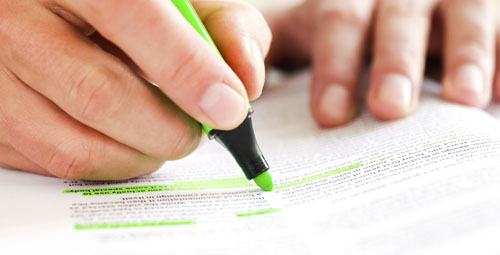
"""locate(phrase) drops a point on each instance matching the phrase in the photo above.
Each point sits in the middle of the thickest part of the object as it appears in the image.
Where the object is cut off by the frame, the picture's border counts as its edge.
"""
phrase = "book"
(425, 184)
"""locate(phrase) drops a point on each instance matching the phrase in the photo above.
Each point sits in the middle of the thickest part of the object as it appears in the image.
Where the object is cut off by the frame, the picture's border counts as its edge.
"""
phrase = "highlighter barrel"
(240, 142)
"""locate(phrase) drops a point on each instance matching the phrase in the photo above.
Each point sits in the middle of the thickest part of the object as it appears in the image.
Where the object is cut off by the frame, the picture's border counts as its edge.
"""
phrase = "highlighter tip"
(264, 181)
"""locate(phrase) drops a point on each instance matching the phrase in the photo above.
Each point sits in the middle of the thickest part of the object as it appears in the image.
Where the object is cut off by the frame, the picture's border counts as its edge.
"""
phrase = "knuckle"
(100, 9)
(95, 7)
(266, 34)
(192, 58)
(73, 162)
(401, 59)
(117, 12)
(235, 11)
(479, 35)
(183, 143)
(4, 26)
(242, 6)
(260, 22)
(9, 14)
(479, 3)
(94, 95)
(248, 10)
(108, 12)
(408, 7)
(342, 69)
(398, 53)
(345, 12)
(474, 52)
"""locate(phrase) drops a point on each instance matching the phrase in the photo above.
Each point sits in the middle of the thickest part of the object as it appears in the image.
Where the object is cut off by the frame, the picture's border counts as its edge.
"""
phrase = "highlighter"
(241, 141)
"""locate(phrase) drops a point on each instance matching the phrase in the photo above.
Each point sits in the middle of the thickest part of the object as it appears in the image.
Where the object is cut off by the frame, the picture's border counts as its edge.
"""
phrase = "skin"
(73, 73)
(335, 36)
(75, 100)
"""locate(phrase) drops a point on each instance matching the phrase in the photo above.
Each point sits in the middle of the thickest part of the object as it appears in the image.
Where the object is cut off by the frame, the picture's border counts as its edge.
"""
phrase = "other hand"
(335, 35)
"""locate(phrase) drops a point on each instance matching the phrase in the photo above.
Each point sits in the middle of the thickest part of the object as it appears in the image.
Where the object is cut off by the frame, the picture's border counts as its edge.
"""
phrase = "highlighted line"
(132, 224)
(258, 212)
(319, 176)
(229, 183)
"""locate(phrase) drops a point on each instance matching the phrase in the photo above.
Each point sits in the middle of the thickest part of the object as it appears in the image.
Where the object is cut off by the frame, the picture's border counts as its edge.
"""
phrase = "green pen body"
(241, 141)
(187, 10)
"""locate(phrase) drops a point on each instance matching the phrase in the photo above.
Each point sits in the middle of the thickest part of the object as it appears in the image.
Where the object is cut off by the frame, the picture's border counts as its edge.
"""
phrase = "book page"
(426, 183)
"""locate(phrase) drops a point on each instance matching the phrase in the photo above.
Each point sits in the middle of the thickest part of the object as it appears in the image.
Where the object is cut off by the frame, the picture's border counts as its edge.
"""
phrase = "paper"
(426, 184)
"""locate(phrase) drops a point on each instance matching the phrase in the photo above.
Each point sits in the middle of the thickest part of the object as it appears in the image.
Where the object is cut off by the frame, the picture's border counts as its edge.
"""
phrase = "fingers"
(469, 51)
(401, 34)
(172, 54)
(292, 33)
(9, 158)
(94, 87)
(341, 31)
(51, 139)
(243, 38)
(240, 33)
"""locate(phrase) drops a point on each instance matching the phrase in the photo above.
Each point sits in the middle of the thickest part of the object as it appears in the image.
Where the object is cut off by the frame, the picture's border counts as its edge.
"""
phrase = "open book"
(426, 184)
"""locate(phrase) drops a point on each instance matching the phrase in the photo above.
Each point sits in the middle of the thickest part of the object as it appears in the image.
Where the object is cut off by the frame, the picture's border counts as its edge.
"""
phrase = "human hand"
(335, 35)
(71, 109)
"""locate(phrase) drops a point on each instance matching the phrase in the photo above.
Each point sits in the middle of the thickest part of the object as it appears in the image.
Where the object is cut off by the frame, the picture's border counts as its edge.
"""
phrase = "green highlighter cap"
(240, 142)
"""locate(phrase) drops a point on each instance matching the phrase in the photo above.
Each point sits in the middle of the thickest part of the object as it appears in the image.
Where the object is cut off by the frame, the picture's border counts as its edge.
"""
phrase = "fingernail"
(395, 90)
(335, 102)
(469, 78)
(222, 104)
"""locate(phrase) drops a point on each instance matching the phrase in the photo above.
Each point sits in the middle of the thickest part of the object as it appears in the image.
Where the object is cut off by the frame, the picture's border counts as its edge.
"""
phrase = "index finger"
(171, 53)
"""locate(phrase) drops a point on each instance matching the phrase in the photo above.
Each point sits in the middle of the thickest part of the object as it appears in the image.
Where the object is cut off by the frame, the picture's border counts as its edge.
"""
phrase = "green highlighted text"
(230, 183)
(316, 177)
(258, 212)
(132, 224)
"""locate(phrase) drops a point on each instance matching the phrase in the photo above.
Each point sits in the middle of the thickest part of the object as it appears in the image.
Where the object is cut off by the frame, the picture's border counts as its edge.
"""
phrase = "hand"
(335, 35)
(72, 109)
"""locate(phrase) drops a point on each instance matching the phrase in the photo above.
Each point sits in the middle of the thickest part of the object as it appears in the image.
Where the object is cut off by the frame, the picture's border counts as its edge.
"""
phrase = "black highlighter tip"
(242, 144)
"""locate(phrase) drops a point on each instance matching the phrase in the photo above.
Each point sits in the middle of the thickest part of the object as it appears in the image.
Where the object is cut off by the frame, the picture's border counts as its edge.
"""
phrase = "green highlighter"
(240, 142)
